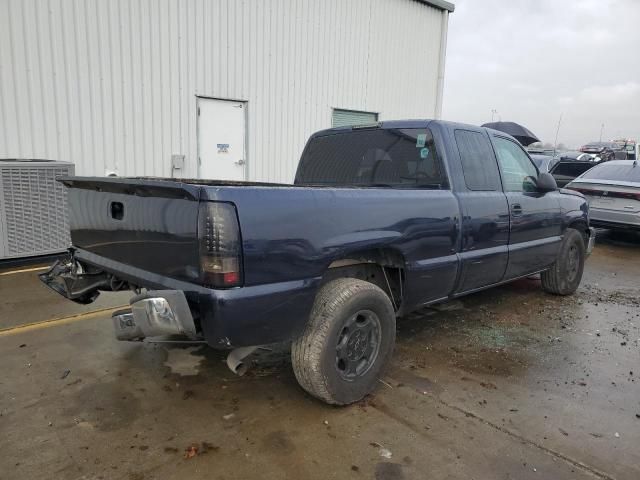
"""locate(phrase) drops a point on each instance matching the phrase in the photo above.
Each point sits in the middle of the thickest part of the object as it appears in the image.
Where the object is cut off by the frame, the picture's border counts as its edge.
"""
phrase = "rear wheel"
(347, 343)
(564, 277)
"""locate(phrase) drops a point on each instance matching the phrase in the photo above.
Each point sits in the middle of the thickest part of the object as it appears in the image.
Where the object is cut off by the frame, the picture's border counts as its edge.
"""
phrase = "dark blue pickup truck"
(381, 220)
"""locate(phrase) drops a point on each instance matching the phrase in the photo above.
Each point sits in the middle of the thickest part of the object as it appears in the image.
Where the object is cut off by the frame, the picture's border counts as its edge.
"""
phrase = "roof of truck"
(409, 123)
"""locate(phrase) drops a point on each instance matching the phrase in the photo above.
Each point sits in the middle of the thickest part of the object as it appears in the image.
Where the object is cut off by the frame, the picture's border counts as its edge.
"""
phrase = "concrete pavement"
(507, 383)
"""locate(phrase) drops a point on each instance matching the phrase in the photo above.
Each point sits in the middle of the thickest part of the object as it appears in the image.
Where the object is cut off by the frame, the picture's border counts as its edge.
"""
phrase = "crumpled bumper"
(154, 313)
(68, 278)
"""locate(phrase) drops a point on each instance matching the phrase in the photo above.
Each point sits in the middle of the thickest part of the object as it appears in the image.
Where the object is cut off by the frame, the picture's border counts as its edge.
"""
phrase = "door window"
(518, 171)
(478, 162)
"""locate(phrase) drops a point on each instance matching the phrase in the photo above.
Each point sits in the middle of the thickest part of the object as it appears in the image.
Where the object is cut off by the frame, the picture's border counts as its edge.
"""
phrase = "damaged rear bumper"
(74, 281)
(225, 318)
(154, 313)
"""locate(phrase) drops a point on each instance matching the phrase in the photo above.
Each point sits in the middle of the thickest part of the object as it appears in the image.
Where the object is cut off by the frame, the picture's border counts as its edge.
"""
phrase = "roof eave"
(441, 4)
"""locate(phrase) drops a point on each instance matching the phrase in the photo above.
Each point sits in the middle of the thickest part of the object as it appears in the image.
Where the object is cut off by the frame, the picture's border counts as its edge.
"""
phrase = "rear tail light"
(610, 194)
(220, 249)
(631, 196)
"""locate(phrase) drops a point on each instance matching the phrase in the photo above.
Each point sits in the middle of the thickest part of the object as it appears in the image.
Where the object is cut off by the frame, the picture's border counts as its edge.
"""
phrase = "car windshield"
(628, 171)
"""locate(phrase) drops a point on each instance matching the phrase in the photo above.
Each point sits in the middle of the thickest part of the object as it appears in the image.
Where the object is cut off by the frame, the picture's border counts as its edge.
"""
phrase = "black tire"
(564, 277)
(325, 357)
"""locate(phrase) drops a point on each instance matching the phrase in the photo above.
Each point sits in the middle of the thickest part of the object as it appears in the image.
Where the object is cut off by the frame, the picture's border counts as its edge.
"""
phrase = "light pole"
(555, 144)
(493, 113)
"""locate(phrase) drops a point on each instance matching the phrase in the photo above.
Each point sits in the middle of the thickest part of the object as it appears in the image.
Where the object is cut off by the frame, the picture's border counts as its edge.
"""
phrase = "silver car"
(613, 191)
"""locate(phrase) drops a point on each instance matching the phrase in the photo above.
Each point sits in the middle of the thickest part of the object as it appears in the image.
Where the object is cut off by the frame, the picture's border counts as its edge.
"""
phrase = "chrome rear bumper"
(157, 312)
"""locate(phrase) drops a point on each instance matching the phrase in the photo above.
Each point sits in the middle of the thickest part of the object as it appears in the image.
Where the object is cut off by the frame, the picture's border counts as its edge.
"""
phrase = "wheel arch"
(384, 267)
(582, 226)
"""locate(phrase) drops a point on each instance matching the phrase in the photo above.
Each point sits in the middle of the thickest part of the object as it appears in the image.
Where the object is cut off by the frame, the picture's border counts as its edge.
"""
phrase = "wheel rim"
(573, 262)
(358, 344)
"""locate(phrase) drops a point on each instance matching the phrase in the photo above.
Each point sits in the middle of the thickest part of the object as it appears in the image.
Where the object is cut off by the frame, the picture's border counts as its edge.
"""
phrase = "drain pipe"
(441, 63)
(236, 357)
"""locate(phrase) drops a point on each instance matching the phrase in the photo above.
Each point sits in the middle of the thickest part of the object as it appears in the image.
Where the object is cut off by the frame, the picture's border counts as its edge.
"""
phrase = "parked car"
(603, 151)
(631, 149)
(380, 221)
(544, 162)
(626, 149)
(613, 191)
(566, 169)
(576, 155)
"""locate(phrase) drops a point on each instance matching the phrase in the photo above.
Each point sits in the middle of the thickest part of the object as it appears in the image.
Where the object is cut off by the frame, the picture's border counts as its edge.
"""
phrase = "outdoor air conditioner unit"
(33, 208)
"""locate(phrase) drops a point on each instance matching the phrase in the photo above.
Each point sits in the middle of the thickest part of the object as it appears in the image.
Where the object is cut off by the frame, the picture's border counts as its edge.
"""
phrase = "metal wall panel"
(112, 85)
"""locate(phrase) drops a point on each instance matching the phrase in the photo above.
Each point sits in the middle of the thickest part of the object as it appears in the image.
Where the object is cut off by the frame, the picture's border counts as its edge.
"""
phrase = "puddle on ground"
(406, 378)
(184, 361)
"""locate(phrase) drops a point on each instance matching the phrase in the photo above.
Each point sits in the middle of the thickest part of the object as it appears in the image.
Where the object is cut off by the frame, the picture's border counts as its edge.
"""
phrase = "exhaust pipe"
(236, 357)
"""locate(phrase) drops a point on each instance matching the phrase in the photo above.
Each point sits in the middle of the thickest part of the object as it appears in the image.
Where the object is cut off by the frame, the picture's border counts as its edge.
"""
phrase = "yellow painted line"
(54, 322)
(24, 270)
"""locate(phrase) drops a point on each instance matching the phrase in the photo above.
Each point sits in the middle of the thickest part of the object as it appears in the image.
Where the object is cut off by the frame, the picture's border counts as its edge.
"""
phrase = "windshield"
(618, 171)
(401, 158)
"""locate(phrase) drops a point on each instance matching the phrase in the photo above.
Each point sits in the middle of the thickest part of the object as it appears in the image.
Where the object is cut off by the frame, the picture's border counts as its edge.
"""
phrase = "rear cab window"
(381, 157)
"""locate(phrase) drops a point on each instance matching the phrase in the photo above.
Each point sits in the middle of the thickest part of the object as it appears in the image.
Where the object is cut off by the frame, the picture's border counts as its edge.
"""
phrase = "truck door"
(536, 222)
(485, 213)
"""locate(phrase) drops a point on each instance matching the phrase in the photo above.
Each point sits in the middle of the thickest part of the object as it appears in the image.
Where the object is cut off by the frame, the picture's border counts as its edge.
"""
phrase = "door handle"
(516, 209)
(240, 162)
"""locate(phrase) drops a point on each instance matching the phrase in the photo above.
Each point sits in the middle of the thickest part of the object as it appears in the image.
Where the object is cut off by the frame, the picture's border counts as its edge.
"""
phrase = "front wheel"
(347, 342)
(564, 277)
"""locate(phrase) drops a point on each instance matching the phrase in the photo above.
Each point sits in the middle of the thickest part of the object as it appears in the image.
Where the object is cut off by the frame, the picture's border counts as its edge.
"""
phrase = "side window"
(478, 162)
(516, 166)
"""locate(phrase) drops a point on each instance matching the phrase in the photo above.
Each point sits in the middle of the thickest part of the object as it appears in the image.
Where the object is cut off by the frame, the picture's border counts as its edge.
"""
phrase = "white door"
(221, 139)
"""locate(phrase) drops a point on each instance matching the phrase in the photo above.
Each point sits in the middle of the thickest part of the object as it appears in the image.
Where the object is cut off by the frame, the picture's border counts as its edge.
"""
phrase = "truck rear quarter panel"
(295, 233)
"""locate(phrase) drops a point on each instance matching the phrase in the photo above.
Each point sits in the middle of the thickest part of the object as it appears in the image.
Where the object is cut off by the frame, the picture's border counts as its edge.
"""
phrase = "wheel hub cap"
(358, 344)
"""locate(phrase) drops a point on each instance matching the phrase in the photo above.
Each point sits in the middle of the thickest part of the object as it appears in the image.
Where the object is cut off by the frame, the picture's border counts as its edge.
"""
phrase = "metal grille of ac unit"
(34, 208)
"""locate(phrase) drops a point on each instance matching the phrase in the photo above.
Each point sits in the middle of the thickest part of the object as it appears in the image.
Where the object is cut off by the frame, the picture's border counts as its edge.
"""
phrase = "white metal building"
(226, 89)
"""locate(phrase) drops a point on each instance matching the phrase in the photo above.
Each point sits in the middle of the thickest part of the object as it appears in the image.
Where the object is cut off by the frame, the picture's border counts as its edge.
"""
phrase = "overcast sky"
(534, 60)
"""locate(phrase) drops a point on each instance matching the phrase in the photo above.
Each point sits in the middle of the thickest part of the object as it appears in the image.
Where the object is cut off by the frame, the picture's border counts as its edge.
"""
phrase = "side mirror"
(546, 183)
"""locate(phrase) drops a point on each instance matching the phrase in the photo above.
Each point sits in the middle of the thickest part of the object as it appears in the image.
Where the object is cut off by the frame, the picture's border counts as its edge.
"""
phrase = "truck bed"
(288, 232)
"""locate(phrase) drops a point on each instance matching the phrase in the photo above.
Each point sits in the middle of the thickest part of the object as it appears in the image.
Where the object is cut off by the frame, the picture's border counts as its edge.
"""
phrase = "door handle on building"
(240, 162)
